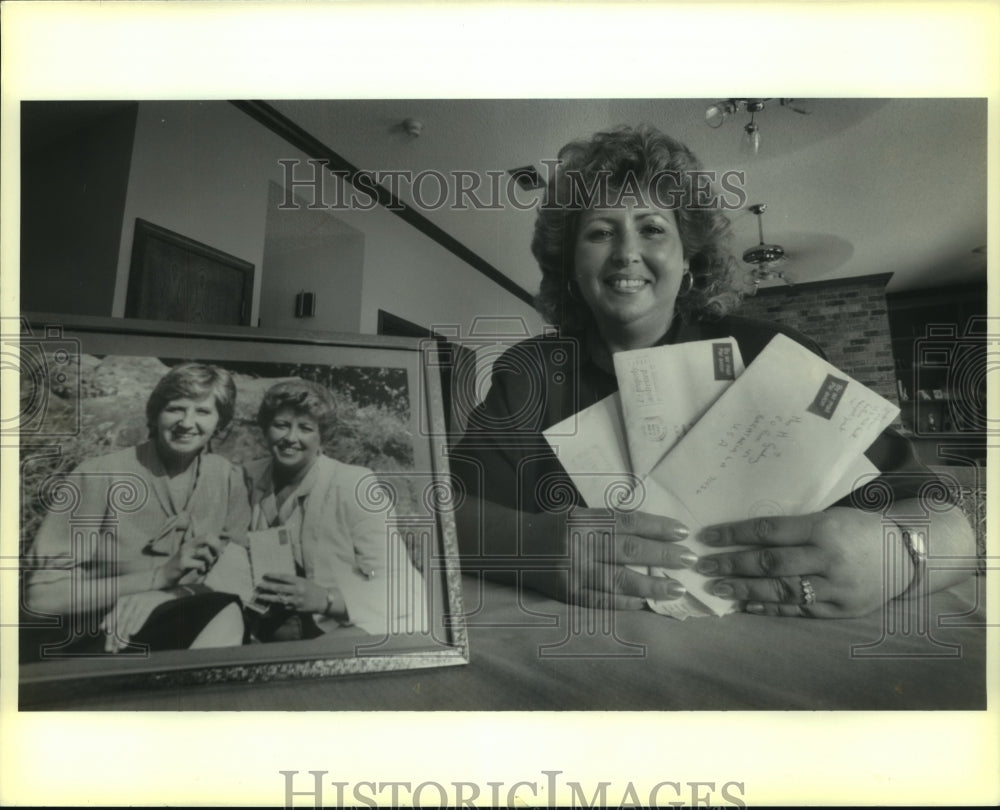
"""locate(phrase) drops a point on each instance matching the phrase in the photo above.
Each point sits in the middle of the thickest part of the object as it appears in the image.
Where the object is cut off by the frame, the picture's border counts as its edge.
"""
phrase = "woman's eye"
(654, 230)
(599, 234)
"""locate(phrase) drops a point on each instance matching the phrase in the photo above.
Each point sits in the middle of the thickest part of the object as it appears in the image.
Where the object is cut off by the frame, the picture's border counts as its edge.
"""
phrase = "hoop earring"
(687, 284)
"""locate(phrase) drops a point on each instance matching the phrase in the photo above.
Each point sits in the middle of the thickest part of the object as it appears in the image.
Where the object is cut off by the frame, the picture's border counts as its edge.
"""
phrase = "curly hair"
(302, 397)
(611, 159)
(193, 381)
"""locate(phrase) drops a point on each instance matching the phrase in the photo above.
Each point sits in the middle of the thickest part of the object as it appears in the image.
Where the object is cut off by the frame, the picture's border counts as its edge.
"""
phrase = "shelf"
(932, 400)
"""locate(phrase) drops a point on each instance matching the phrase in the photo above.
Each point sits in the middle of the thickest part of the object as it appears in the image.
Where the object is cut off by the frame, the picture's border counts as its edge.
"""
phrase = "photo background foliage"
(109, 392)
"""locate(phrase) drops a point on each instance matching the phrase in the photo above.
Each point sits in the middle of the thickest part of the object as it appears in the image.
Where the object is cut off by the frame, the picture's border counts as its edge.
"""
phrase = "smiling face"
(629, 262)
(294, 439)
(184, 426)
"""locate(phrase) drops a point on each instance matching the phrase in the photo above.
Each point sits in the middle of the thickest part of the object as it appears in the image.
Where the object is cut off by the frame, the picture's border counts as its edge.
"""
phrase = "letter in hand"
(292, 592)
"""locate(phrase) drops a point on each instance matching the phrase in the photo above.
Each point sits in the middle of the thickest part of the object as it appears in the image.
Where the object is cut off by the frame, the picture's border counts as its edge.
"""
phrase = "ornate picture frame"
(84, 383)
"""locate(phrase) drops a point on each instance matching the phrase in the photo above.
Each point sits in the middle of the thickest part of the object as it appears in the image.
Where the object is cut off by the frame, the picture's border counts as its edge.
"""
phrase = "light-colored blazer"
(122, 499)
(341, 544)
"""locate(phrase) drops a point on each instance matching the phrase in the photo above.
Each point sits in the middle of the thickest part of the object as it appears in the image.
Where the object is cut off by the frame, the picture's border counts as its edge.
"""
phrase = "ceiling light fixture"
(765, 258)
(527, 177)
(717, 113)
(412, 127)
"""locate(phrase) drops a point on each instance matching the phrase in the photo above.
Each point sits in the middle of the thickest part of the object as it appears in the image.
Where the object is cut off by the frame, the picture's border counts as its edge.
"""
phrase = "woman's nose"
(187, 419)
(627, 249)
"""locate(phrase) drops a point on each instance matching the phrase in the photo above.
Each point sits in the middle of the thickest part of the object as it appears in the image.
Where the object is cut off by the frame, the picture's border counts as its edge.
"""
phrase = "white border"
(317, 50)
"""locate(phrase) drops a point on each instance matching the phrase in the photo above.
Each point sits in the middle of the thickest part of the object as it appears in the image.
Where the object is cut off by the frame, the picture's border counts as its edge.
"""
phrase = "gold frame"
(51, 683)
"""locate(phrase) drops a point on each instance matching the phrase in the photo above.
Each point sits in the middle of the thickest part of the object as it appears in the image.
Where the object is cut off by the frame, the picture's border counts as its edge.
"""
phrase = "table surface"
(529, 652)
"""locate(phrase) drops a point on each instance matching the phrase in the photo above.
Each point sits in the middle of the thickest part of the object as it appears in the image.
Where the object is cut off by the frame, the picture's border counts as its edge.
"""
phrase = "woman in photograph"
(130, 536)
(630, 259)
(351, 569)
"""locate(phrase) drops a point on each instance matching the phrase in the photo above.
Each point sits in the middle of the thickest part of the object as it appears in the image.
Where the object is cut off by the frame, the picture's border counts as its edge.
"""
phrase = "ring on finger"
(808, 592)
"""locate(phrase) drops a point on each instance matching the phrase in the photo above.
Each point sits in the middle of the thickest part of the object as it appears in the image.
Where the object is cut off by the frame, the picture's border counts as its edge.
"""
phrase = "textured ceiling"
(857, 186)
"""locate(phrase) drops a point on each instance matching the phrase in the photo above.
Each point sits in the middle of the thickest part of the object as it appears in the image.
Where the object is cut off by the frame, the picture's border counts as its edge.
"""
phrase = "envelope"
(845, 416)
(665, 390)
(786, 438)
(594, 453)
(591, 448)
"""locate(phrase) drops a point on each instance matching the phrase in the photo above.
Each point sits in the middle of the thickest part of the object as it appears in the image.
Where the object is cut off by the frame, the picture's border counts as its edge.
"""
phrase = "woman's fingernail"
(711, 536)
(689, 558)
(723, 589)
(676, 590)
(754, 607)
(707, 566)
(681, 531)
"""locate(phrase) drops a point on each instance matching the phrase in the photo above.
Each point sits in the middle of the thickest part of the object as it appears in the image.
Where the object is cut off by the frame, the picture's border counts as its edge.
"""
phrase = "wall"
(74, 174)
(198, 171)
(308, 251)
(204, 168)
(848, 318)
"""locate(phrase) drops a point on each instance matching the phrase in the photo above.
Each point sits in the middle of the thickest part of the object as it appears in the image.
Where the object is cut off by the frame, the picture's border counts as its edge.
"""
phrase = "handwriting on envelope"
(594, 454)
(782, 440)
(786, 437)
(665, 390)
(662, 393)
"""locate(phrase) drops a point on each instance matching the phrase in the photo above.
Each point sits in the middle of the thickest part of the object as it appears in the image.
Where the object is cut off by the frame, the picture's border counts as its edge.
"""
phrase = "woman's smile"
(289, 450)
(628, 263)
(628, 285)
(184, 426)
(294, 439)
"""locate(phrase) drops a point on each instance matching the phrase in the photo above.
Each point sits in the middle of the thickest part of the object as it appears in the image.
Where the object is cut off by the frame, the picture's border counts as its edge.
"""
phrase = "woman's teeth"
(627, 283)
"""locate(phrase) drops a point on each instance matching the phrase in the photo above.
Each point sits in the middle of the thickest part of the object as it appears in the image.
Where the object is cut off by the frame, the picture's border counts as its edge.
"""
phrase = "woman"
(350, 568)
(163, 511)
(633, 257)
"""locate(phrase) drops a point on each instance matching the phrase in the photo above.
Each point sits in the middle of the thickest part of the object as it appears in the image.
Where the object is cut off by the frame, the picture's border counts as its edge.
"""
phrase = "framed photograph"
(174, 278)
(366, 525)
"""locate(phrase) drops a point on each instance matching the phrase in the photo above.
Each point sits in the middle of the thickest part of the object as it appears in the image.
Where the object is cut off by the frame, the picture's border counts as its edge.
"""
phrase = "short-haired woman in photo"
(140, 572)
(351, 570)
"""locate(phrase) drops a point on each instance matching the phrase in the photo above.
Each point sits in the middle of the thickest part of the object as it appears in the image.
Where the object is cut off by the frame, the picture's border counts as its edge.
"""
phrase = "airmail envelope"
(664, 390)
(596, 458)
(784, 438)
(594, 454)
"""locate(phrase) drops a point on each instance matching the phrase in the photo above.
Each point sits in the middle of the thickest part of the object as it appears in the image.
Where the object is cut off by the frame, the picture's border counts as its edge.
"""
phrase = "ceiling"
(857, 186)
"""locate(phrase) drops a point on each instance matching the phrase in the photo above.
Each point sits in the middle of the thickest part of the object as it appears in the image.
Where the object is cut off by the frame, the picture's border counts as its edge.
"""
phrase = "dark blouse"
(504, 458)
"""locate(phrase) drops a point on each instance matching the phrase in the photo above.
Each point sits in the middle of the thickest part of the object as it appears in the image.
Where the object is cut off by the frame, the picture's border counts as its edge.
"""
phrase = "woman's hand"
(193, 559)
(599, 552)
(296, 593)
(839, 552)
(129, 615)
